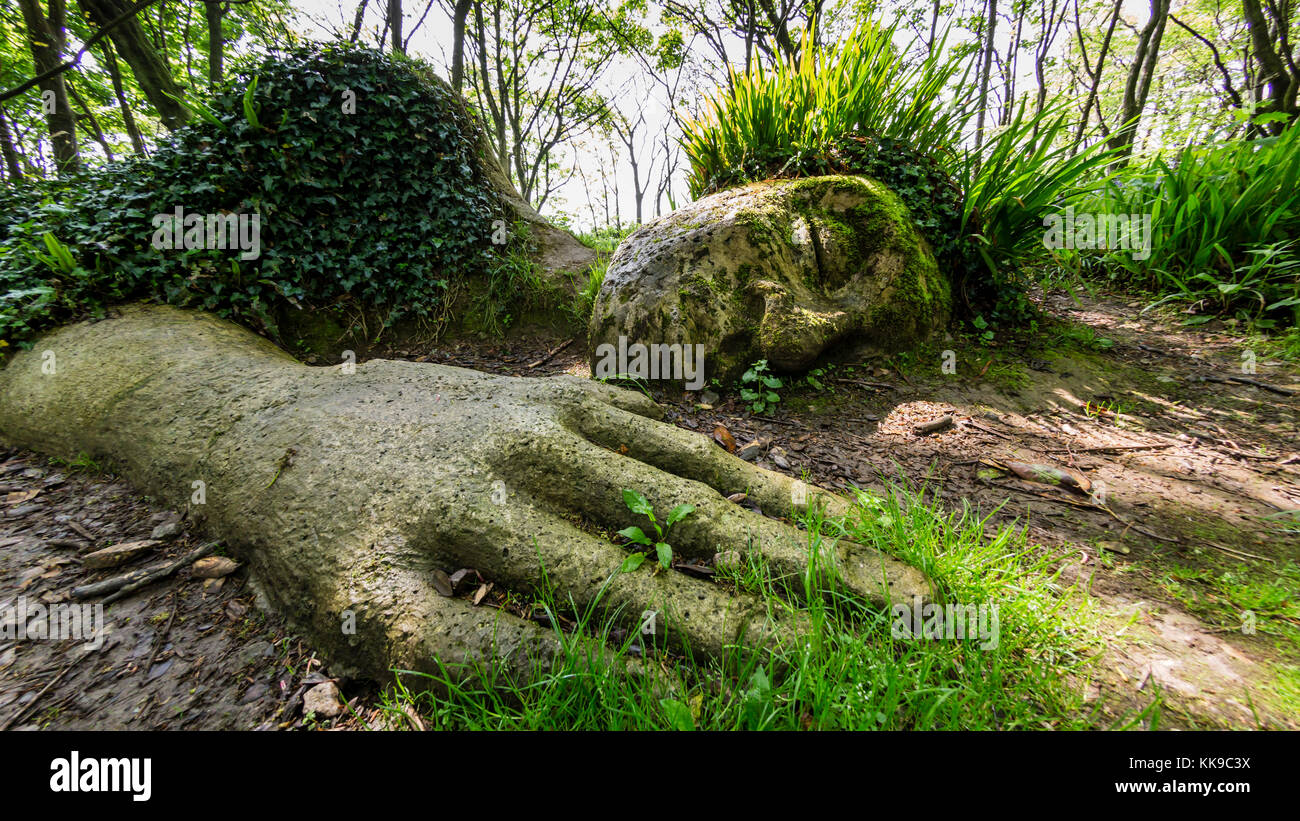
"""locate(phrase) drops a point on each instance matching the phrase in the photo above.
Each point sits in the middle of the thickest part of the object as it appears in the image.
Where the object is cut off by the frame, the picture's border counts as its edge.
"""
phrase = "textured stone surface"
(401, 469)
(777, 270)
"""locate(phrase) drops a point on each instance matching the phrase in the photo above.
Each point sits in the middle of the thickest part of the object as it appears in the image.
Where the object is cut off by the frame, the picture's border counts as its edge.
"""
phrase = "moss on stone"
(863, 269)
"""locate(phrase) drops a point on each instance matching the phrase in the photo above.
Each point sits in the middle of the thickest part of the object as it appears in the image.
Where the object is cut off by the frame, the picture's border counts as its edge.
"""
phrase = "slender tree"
(986, 68)
(1138, 84)
(145, 58)
(1094, 74)
(213, 12)
(9, 151)
(119, 91)
(46, 35)
(395, 25)
(459, 16)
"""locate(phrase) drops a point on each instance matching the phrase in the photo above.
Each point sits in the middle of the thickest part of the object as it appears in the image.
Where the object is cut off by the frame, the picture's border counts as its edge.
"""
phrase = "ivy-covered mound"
(361, 168)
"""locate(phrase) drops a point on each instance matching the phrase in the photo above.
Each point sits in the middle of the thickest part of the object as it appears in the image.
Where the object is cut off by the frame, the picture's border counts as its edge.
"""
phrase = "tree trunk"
(216, 42)
(1010, 65)
(1139, 80)
(10, 153)
(128, 117)
(146, 63)
(1095, 74)
(356, 21)
(46, 38)
(458, 44)
(395, 24)
(985, 71)
(1276, 71)
(95, 130)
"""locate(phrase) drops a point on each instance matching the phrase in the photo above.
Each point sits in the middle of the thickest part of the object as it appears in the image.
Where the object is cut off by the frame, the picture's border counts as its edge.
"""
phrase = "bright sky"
(432, 41)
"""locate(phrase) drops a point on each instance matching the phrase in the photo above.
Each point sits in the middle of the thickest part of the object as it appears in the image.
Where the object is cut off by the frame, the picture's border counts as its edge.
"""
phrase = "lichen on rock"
(778, 270)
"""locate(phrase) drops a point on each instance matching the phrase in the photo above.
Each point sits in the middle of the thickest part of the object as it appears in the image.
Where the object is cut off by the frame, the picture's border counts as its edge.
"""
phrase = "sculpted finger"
(632, 401)
(592, 479)
(528, 549)
(695, 456)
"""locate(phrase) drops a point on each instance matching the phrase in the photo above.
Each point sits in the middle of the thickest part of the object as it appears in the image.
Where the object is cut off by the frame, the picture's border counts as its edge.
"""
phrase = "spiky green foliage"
(785, 121)
(1024, 172)
(1224, 217)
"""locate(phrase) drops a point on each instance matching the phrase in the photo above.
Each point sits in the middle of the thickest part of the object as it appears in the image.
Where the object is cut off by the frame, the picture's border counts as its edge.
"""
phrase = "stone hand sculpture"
(350, 489)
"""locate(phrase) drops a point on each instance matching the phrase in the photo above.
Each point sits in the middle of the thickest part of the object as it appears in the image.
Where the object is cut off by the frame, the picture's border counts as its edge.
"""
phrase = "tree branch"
(76, 59)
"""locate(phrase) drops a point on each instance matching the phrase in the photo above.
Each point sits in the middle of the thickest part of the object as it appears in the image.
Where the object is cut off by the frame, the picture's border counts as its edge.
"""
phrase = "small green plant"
(250, 110)
(663, 551)
(814, 379)
(59, 259)
(514, 283)
(1083, 337)
(606, 239)
(759, 388)
(81, 463)
(1105, 407)
(585, 290)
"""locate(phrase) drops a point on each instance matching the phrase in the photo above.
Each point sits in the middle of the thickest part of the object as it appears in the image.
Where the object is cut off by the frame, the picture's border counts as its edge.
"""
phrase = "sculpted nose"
(792, 336)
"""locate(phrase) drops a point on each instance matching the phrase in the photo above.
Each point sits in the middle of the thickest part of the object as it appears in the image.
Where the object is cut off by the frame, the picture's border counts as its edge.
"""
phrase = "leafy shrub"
(1224, 217)
(380, 208)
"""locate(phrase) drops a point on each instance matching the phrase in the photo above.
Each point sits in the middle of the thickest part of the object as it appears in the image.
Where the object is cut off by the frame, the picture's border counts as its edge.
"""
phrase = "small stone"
(255, 652)
(166, 530)
(256, 692)
(214, 567)
(709, 398)
(726, 560)
(777, 455)
(323, 700)
(753, 450)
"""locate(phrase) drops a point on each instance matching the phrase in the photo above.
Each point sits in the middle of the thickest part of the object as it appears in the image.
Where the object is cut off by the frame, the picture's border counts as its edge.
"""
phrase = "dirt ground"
(1183, 540)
